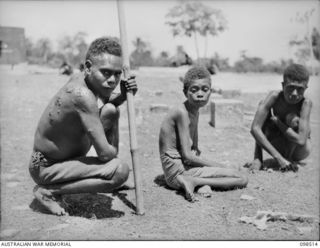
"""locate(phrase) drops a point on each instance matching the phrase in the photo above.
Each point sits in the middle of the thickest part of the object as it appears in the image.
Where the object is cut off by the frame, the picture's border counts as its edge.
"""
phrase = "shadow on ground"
(122, 197)
(270, 163)
(160, 181)
(90, 206)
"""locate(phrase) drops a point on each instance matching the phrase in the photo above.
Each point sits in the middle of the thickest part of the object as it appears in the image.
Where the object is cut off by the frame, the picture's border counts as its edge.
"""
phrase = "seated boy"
(72, 123)
(178, 142)
(281, 125)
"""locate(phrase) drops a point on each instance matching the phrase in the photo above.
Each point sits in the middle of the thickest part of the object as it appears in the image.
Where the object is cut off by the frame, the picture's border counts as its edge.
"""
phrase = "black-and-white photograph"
(159, 120)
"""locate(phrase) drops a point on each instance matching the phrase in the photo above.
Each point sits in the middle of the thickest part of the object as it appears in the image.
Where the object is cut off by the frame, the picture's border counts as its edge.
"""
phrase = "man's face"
(105, 74)
(199, 92)
(293, 91)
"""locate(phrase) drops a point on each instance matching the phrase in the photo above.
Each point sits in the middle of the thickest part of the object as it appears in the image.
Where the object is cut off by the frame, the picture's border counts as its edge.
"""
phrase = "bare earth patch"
(168, 216)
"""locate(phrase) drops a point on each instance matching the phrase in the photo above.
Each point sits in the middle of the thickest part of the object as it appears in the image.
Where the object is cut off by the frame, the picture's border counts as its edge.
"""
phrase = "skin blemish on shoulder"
(69, 90)
(50, 118)
(58, 102)
(79, 92)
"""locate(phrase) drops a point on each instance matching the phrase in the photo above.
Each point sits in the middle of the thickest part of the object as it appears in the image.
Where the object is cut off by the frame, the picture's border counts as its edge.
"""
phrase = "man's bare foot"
(46, 198)
(237, 167)
(188, 188)
(205, 191)
(254, 165)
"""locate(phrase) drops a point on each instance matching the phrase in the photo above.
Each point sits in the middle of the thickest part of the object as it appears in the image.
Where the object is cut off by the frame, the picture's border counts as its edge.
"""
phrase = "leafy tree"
(315, 41)
(163, 59)
(141, 55)
(305, 49)
(43, 48)
(191, 18)
(221, 63)
(180, 57)
(248, 64)
(74, 48)
(29, 47)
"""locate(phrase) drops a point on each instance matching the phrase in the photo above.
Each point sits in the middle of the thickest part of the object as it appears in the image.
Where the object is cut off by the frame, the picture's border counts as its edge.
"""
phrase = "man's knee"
(109, 114)
(109, 110)
(302, 152)
(121, 174)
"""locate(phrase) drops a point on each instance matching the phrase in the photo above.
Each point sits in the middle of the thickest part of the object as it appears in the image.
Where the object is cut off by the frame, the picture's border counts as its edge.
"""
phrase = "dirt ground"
(25, 93)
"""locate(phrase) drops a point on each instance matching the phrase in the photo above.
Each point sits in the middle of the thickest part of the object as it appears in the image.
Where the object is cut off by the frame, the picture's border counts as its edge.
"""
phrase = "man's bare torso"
(169, 140)
(281, 109)
(60, 134)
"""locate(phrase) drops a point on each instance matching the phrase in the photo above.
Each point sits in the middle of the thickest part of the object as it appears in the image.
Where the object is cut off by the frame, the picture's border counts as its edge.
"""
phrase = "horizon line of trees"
(72, 49)
(191, 19)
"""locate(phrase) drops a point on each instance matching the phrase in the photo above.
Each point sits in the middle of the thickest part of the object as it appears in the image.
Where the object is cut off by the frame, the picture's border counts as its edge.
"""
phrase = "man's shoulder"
(275, 94)
(177, 111)
(78, 88)
(79, 94)
(271, 98)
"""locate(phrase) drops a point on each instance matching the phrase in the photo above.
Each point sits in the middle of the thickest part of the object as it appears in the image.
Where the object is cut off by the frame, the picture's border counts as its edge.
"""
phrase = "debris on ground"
(261, 218)
(247, 197)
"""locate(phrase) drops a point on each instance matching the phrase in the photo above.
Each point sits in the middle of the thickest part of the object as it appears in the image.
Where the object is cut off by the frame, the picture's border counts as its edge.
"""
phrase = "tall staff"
(131, 113)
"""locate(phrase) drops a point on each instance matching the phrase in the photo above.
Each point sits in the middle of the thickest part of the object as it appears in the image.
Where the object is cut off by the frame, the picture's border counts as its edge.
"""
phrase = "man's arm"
(195, 145)
(87, 108)
(112, 135)
(301, 137)
(256, 128)
(182, 122)
(116, 99)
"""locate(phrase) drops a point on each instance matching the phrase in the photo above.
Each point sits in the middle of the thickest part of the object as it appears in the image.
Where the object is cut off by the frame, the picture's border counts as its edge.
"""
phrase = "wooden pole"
(131, 113)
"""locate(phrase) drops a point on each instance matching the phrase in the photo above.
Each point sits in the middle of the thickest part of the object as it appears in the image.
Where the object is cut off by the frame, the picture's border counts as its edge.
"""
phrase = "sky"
(262, 28)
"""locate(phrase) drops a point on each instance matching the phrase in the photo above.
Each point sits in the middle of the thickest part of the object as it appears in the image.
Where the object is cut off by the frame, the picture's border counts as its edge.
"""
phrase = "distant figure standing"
(72, 123)
(281, 125)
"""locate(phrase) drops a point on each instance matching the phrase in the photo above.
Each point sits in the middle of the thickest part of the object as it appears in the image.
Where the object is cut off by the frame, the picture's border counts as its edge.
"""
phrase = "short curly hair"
(194, 73)
(296, 72)
(101, 45)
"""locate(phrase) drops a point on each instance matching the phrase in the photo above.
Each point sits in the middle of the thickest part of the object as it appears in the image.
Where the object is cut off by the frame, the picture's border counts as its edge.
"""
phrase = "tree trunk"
(309, 41)
(205, 46)
(45, 57)
(196, 43)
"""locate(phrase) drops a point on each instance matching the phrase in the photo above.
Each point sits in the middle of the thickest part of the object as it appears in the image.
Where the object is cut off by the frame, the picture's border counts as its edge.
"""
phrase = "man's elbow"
(301, 141)
(254, 130)
(187, 159)
(104, 159)
(107, 156)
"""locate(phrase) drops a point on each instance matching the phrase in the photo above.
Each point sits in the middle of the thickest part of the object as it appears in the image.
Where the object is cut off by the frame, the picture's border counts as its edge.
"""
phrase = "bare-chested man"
(178, 143)
(72, 123)
(281, 125)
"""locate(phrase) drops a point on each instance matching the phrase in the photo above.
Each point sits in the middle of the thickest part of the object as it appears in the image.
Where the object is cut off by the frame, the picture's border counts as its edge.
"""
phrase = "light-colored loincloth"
(172, 167)
(45, 171)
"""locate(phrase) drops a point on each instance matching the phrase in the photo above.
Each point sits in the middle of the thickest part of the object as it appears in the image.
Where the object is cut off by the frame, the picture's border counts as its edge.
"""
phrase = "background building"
(12, 45)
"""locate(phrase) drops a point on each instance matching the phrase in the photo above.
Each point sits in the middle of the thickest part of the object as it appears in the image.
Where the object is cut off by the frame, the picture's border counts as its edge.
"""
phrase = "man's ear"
(88, 65)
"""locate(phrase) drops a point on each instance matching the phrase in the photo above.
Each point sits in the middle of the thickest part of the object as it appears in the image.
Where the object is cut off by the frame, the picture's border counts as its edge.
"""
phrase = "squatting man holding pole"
(73, 122)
